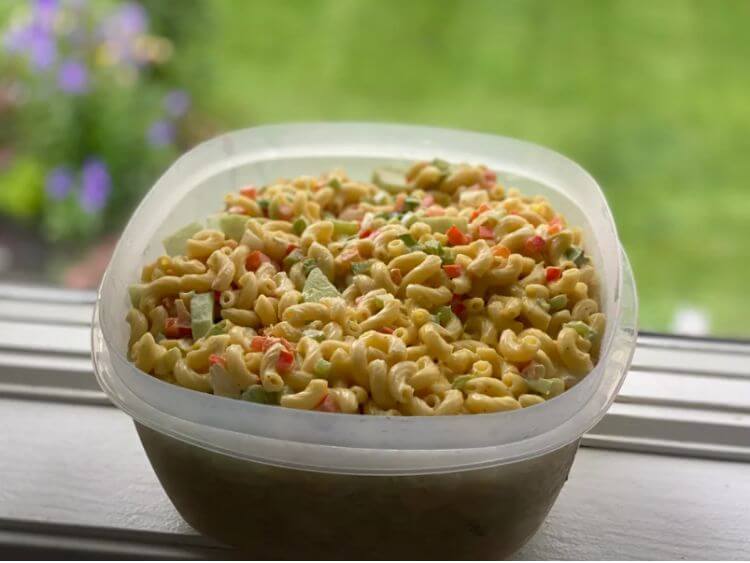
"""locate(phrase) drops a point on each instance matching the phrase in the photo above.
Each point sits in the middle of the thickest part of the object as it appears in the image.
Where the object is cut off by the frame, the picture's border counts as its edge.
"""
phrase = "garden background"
(97, 97)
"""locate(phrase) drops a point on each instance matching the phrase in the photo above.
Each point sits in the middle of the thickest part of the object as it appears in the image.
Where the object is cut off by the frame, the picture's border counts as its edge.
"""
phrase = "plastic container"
(286, 483)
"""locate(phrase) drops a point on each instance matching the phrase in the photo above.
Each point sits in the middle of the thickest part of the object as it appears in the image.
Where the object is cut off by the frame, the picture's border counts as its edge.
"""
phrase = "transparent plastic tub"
(284, 483)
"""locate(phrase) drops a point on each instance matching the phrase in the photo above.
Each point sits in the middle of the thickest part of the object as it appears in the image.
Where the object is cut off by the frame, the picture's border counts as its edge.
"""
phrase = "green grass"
(650, 97)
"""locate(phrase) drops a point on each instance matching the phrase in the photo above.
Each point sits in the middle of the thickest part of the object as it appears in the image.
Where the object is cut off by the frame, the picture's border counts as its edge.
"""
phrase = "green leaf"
(22, 188)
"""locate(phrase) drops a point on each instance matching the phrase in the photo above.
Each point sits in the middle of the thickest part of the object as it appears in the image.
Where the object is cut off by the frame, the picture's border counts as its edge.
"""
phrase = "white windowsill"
(75, 479)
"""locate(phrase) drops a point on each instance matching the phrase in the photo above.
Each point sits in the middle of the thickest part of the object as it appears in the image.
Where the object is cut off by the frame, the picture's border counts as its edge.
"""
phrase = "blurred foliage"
(86, 89)
(650, 97)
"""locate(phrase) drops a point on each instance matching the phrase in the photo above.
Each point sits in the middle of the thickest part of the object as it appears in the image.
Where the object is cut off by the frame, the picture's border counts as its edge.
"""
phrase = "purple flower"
(58, 182)
(42, 47)
(95, 185)
(177, 102)
(45, 12)
(132, 19)
(73, 77)
(161, 133)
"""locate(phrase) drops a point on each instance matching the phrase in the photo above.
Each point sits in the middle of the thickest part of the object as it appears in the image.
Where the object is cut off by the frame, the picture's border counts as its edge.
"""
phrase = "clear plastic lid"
(194, 186)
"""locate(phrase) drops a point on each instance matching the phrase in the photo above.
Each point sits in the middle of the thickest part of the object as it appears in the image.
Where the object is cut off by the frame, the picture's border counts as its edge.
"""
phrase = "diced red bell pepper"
(456, 237)
(236, 209)
(285, 361)
(400, 203)
(366, 233)
(554, 226)
(535, 244)
(328, 404)
(290, 248)
(434, 211)
(216, 359)
(479, 210)
(486, 233)
(501, 250)
(255, 259)
(490, 177)
(168, 304)
(553, 273)
(396, 275)
(457, 306)
(428, 200)
(173, 329)
(453, 270)
(260, 343)
(386, 329)
(249, 191)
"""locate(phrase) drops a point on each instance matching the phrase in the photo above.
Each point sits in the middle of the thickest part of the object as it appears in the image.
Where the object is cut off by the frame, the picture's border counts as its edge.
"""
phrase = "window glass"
(97, 98)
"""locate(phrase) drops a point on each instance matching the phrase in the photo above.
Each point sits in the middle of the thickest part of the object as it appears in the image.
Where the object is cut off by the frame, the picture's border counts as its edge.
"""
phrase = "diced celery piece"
(581, 328)
(299, 226)
(309, 265)
(233, 225)
(444, 315)
(441, 164)
(548, 388)
(408, 240)
(411, 203)
(317, 287)
(201, 314)
(335, 183)
(361, 267)
(443, 223)
(391, 181)
(322, 369)
(576, 255)
(293, 257)
(176, 243)
(315, 334)
(433, 247)
(558, 302)
(409, 219)
(345, 227)
(273, 209)
(218, 328)
(461, 381)
(256, 394)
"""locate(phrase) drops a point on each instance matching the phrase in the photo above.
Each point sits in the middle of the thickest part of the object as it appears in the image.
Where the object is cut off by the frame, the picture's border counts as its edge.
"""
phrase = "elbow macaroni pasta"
(447, 296)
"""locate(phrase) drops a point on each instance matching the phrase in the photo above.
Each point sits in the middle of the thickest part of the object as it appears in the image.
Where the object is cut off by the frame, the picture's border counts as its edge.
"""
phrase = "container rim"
(618, 328)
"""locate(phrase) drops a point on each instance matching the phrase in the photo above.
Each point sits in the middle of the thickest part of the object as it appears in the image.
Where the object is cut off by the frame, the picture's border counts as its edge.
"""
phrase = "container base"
(276, 512)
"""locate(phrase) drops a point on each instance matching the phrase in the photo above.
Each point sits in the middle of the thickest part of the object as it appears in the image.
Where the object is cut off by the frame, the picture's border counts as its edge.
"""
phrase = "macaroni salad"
(430, 292)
